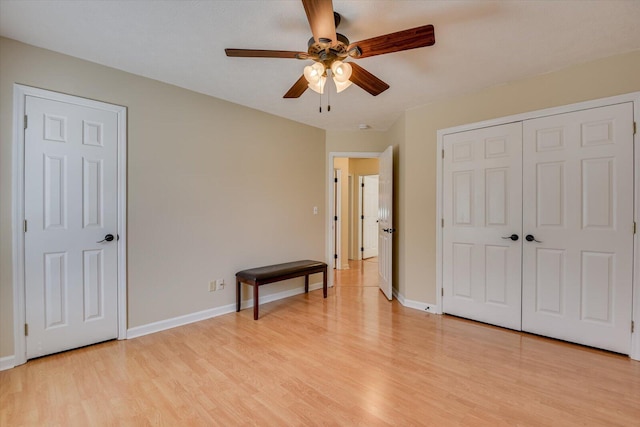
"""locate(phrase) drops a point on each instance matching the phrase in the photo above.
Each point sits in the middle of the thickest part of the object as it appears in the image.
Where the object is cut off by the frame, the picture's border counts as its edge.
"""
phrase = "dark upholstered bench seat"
(259, 276)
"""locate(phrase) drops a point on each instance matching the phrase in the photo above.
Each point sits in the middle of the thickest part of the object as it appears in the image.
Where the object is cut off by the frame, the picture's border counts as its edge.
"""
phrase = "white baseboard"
(7, 362)
(174, 322)
(418, 305)
(163, 325)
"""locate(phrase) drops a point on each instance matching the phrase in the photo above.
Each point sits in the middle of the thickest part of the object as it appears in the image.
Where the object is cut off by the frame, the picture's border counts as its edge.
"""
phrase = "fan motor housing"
(326, 52)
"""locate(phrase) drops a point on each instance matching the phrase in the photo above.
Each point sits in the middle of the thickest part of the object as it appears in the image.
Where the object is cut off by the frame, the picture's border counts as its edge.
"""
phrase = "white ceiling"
(478, 44)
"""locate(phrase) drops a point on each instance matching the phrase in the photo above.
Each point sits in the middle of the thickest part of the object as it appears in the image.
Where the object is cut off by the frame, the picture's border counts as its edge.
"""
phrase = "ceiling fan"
(329, 49)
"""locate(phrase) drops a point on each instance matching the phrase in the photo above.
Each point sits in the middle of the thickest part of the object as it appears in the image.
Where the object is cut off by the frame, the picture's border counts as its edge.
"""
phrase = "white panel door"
(385, 224)
(70, 205)
(370, 216)
(482, 209)
(578, 205)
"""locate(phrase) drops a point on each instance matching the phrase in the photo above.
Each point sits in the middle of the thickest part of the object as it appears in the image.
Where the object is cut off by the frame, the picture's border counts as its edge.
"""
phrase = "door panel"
(482, 206)
(578, 204)
(70, 205)
(370, 216)
(385, 224)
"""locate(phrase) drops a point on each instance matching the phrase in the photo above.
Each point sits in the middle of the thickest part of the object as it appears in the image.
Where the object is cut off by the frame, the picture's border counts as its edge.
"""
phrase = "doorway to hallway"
(360, 274)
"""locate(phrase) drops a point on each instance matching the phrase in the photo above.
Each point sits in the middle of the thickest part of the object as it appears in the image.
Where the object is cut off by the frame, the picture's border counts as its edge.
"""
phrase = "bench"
(257, 277)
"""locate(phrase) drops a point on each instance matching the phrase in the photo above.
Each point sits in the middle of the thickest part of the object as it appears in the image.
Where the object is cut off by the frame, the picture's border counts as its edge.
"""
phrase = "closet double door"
(538, 226)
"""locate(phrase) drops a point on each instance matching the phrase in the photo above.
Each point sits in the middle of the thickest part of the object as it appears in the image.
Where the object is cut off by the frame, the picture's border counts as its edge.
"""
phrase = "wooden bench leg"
(306, 284)
(238, 285)
(255, 301)
(324, 282)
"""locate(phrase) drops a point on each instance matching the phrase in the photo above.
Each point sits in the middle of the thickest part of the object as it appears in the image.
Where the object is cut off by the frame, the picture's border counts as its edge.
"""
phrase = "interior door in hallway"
(385, 223)
(578, 204)
(70, 206)
(482, 212)
(370, 216)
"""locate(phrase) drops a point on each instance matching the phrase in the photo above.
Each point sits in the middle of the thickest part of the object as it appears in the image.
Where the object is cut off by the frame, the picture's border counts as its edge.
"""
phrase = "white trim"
(337, 212)
(330, 200)
(635, 336)
(17, 175)
(7, 362)
(163, 325)
(20, 92)
(360, 220)
(629, 97)
(417, 305)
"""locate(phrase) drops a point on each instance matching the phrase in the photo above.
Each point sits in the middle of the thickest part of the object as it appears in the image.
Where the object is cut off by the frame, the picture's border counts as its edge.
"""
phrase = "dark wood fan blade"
(366, 80)
(321, 20)
(298, 88)
(396, 42)
(257, 53)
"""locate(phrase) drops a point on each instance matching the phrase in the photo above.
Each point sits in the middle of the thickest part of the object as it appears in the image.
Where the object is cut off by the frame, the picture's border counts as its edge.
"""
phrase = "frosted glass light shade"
(340, 86)
(313, 73)
(318, 86)
(341, 71)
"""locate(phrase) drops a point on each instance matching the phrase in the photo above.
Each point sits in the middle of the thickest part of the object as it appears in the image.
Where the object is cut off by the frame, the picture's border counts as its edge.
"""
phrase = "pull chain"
(320, 104)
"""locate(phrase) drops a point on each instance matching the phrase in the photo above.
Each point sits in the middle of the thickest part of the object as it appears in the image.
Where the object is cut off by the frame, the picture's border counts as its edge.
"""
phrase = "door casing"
(630, 97)
(331, 200)
(20, 92)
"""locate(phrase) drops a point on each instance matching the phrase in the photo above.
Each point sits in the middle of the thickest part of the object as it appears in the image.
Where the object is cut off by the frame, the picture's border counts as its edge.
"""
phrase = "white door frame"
(360, 213)
(20, 92)
(629, 97)
(331, 198)
(337, 219)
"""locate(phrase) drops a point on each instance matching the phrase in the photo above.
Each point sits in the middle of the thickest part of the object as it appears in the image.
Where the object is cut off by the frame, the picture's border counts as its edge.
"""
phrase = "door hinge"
(633, 326)
(442, 291)
(26, 329)
(26, 120)
(362, 249)
(335, 218)
(362, 185)
(335, 256)
(634, 227)
(361, 216)
(443, 153)
(635, 128)
(335, 180)
(25, 225)
(442, 222)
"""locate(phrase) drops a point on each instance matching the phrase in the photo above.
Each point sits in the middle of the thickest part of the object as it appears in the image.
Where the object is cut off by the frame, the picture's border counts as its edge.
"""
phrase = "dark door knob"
(530, 238)
(513, 237)
(107, 238)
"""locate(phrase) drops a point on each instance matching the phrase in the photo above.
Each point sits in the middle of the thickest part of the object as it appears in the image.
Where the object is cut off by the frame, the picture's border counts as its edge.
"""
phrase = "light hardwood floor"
(351, 359)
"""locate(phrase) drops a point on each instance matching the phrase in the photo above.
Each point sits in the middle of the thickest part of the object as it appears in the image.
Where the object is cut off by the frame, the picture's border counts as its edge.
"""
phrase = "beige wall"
(368, 141)
(417, 186)
(213, 187)
(360, 167)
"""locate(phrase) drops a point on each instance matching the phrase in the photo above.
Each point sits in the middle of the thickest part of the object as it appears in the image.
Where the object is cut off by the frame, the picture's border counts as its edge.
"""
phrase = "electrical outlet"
(219, 284)
(212, 286)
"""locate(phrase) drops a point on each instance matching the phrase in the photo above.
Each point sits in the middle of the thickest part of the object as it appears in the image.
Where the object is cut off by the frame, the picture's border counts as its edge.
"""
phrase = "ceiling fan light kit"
(316, 76)
(329, 49)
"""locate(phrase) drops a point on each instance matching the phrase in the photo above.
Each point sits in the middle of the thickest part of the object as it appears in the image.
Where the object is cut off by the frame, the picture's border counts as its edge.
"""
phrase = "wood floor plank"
(351, 359)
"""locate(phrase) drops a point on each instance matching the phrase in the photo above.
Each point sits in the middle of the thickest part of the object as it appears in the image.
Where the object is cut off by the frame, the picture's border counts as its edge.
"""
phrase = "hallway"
(363, 273)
